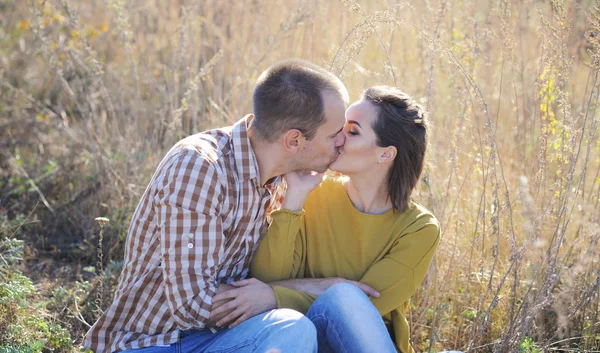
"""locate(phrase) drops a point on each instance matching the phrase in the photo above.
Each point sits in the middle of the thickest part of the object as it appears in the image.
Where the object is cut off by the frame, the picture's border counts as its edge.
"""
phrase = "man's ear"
(293, 140)
(388, 155)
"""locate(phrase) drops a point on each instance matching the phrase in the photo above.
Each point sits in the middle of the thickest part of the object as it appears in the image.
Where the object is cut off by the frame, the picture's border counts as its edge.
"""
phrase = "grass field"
(93, 94)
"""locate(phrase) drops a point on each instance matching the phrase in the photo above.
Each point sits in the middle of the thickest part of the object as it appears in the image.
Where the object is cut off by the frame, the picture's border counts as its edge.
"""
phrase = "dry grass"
(92, 94)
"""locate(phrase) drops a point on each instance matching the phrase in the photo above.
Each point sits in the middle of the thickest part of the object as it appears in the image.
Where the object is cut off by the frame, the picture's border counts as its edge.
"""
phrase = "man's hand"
(212, 321)
(250, 298)
(317, 286)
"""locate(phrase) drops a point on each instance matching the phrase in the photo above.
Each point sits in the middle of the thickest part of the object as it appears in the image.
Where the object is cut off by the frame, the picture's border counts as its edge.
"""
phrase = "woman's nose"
(340, 139)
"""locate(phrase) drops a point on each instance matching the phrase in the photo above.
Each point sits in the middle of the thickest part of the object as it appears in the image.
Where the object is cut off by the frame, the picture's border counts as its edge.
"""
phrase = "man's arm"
(252, 297)
(187, 200)
(248, 298)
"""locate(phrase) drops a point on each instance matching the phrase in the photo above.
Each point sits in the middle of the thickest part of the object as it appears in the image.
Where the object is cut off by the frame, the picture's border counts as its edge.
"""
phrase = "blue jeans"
(347, 321)
(276, 331)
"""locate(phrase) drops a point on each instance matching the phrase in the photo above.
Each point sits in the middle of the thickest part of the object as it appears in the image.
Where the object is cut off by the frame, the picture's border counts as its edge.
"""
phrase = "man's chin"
(321, 169)
(332, 165)
(334, 168)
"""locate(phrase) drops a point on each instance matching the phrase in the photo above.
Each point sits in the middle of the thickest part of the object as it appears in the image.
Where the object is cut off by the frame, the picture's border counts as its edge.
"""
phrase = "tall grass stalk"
(92, 94)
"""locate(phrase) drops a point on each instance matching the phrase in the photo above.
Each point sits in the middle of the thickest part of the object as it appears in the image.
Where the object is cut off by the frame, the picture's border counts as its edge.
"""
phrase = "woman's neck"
(369, 193)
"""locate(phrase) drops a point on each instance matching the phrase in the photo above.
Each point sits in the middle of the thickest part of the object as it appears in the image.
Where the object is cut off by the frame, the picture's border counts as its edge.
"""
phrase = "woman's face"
(360, 152)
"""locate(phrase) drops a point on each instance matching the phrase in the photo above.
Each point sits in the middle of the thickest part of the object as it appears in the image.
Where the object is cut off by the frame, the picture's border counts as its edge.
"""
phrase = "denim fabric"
(347, 321)
(276, 331)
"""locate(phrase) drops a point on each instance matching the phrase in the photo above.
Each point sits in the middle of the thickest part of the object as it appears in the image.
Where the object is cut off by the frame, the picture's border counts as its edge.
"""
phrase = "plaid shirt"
(196, 226)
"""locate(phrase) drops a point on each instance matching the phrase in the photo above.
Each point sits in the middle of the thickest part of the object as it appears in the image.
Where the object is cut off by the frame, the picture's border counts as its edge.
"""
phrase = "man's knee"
(289, 329)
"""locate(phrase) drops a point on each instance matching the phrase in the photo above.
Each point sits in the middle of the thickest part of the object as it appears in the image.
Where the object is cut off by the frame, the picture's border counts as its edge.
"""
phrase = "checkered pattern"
(196, 226)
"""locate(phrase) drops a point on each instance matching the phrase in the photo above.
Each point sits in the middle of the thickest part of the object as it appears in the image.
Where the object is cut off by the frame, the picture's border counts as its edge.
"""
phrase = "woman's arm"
(281, 252)
(280, 255)
(400, 272)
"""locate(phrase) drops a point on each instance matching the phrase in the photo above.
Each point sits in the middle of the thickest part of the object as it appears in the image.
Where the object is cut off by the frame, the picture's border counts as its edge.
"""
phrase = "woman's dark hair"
(289, 95)
(401, 122)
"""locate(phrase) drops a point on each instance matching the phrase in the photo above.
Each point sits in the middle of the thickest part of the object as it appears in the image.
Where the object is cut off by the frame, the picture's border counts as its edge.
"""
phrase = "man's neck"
(268, 158)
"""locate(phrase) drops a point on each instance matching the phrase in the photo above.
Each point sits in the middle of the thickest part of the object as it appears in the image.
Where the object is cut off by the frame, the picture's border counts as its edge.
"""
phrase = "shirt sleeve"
(400, 272)
(187, 199)
(281, 255)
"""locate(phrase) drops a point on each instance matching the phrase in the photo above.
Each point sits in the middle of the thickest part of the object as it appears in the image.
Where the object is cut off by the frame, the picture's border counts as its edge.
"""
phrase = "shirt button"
(190, 235)
(190, 245)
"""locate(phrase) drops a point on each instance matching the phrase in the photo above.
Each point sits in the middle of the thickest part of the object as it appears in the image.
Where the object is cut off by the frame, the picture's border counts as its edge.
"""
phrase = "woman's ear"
(292, 140)
(388, 155)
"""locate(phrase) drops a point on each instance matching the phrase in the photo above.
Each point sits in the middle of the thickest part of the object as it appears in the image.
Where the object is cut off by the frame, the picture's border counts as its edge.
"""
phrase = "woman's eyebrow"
(337, 132)
(354, 122)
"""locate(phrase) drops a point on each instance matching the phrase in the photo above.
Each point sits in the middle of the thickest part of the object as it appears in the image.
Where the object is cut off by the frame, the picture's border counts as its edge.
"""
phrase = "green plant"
(528, 346)
(24, 327)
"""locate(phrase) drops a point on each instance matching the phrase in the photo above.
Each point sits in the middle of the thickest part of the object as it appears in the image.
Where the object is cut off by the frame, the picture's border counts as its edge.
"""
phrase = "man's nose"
(340, 140)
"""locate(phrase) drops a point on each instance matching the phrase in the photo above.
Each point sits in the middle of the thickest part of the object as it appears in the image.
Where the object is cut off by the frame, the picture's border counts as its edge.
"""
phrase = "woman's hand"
(300, 184)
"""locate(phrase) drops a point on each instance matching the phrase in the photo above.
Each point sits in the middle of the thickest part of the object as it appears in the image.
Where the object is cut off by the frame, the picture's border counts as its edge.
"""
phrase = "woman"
(361, 227)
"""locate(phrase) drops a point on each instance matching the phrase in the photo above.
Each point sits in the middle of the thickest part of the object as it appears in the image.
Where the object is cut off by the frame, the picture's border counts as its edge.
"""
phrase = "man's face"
(323, 149)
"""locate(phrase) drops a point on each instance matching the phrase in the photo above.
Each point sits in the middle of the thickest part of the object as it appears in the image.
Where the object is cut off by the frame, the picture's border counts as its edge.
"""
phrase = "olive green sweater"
(391, 252)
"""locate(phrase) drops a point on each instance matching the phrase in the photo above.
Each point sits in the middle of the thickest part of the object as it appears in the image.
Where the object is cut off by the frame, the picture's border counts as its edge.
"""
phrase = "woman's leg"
(347, 321)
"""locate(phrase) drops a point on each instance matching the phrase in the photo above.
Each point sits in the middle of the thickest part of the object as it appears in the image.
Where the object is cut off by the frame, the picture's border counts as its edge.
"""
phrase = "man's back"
(196, 226)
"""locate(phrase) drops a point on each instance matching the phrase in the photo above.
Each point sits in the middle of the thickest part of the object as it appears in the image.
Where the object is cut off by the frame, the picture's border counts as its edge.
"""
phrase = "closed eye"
(348, 129)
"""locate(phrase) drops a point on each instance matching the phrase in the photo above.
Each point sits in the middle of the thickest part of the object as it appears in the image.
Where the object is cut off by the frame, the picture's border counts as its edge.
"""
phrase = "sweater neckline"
(349, 203)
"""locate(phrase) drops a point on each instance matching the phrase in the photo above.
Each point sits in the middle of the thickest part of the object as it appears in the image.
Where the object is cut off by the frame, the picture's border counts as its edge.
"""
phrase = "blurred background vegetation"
(93, 94)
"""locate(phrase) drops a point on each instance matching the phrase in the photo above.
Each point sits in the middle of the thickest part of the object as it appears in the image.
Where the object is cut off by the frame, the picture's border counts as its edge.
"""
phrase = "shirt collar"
(245, 160)
(246, 163)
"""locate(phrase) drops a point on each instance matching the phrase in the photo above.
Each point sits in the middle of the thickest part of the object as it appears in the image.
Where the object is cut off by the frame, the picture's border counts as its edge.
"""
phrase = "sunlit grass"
(92, 94)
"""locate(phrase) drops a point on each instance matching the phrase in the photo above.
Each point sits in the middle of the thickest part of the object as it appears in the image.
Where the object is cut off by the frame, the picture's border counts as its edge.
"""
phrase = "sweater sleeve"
(397, 275)
(281, 254)
(293, 299)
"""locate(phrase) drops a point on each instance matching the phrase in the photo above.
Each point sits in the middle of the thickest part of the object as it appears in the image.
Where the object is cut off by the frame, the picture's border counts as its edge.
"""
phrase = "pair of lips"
(337, 155)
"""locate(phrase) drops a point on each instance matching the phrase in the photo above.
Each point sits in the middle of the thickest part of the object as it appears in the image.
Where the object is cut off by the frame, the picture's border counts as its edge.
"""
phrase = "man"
(199, 220)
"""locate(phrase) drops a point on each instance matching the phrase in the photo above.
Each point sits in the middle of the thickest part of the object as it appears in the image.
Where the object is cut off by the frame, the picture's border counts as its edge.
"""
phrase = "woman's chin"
(335, 167)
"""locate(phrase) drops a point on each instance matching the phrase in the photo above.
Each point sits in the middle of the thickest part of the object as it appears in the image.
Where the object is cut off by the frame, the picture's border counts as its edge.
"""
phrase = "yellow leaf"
(42, 117)
(23, 25)
(58, 17)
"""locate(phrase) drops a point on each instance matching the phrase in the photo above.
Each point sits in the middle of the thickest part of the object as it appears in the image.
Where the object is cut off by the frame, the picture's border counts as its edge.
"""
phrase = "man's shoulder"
(204, 153)
(212, 144)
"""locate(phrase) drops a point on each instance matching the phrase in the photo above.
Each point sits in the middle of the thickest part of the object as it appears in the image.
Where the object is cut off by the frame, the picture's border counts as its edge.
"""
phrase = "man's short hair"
(289, 95)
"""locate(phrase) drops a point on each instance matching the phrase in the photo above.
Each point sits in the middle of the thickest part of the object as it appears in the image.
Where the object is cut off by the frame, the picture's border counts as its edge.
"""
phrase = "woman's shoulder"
(417, 216)
(420, 210)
